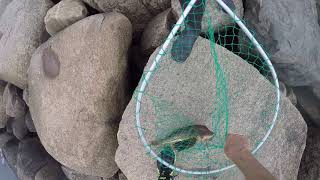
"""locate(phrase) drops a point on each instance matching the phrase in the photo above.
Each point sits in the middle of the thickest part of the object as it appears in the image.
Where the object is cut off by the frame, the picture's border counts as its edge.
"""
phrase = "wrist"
(239, 155)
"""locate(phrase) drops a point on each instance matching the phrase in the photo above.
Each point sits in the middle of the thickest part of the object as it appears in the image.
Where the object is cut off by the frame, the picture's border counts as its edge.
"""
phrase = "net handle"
(157, 59)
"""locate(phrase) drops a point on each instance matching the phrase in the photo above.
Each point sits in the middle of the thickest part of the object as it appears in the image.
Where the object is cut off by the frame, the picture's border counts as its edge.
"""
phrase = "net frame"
(154, 66)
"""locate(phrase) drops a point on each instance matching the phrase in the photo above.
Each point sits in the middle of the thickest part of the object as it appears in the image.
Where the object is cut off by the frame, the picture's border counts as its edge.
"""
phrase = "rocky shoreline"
(69, 69)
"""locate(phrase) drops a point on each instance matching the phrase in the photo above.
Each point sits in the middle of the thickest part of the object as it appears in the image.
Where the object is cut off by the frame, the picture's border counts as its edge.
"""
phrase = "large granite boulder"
(289, 30)
(191, 88)
(21, 29)
(213, 12)
(138, 11)
(64, 14)
(77, 90)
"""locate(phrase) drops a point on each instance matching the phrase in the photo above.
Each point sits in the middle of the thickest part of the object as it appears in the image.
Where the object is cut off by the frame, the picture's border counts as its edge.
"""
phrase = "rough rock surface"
(284, 26)
(179, 82)
(22, 27)
(4, 138)
(63, 14)
(156, 31)
(29, 122)
(138, 11)
(3, 5)
(10, 153)
(51, 171)
(73, 175)
(31, 158)
(9, 125)
(288, 92)
(19, 128)
(310, 162)
(3, 115)
(308, 104)
(15, 106)
(87, 96)
(213, 12)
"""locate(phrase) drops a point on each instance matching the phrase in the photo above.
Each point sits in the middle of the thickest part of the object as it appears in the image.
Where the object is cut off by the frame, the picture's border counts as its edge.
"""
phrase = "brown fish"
(186, 137)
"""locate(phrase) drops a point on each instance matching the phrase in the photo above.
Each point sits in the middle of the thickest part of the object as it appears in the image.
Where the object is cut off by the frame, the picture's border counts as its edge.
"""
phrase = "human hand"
(235, 145)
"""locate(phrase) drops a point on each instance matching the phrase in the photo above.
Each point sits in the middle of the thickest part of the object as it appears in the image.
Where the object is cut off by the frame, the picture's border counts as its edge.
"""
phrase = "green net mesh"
(189, 101)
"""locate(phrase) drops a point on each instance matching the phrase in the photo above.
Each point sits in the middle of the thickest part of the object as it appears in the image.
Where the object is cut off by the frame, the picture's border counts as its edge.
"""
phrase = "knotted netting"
(200, 85)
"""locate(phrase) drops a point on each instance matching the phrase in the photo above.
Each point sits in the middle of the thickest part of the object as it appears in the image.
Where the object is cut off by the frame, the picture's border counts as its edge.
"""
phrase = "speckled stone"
(63, 14)
(22, 26)
(87, 96)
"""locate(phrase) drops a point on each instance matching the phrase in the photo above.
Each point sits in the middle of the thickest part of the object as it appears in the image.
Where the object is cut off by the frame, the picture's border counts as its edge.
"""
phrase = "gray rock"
(310, 162)
(87, 96)
(156, 31)
(213, 12)
(186, 85)
(316, 90)
(10, 153)
(15, 106)
(29, 122)
(63, 14)
(73, 175)
(19, 128)
(140, 12)
(308, 104)
(22, 25)
(9, 125)
(3, 115)
(3, 5)
(51, 171)
(4, 138)
(283, 26)
(31, 158)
